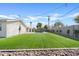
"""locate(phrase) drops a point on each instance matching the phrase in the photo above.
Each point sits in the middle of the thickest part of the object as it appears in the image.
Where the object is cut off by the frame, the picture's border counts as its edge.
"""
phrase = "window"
(60, 30)
(53, 31)
(57, 30)
(0, 27)
(68, 31)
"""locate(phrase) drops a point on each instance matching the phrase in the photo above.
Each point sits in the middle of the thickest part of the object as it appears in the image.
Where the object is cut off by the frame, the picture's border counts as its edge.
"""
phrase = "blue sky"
(38, 12)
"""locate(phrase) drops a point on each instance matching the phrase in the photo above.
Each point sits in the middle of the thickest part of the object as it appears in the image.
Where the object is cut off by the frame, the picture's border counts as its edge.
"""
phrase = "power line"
(54, 9)
(46, 11)
(66, 4)
(49, 10)
(65, 13)
(69, 11)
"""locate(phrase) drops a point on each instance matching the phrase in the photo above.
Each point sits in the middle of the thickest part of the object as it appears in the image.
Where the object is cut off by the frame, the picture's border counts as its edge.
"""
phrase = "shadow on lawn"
(77, 39)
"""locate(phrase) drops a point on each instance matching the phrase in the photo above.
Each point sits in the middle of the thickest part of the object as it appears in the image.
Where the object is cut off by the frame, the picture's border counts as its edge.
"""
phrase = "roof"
(13, 20)
(8, 20)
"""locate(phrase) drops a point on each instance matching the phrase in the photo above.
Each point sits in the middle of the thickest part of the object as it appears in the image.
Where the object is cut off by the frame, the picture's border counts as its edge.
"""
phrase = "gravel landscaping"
(40, 52)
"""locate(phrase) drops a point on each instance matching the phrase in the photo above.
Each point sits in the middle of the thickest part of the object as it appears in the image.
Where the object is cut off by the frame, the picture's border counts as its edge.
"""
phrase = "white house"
(10, 27)
(67, 30)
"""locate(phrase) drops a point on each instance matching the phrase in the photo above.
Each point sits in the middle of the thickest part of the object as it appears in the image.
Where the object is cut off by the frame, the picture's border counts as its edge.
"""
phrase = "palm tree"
(76, 32)
(39, 25)
(58, 24)
(76, 19)
(45, 27)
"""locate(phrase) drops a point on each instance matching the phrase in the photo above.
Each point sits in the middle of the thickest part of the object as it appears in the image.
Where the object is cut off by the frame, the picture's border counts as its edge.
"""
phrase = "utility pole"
(48, 22)
(30, 26)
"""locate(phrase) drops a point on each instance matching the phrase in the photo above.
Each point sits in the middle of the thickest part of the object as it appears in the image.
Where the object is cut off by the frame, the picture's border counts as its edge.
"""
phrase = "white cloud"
(8, 16)
(3, 16)
(55, 16)
(73, 15)
(14, 16)
(36, 19)
(26, 19)
(33, 18)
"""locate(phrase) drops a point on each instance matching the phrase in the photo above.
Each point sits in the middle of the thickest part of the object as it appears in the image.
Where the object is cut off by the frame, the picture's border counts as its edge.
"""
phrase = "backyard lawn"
(37, 40)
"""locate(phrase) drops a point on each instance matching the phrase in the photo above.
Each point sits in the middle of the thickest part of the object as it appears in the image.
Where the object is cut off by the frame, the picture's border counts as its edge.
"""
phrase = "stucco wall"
(3, 31)
(64, 30)
(13, 28)
(23, 29)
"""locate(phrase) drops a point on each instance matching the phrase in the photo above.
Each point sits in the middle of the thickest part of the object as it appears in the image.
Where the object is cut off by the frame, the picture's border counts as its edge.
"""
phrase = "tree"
(58, 24)
(45, 27)
(76, 19)
(39, 25)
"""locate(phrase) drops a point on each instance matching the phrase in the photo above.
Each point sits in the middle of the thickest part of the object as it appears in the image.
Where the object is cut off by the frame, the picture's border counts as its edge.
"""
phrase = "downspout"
(19, 28)
(73, 32)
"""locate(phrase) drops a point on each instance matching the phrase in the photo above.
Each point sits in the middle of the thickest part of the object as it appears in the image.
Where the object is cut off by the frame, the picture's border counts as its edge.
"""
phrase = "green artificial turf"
(37, 40)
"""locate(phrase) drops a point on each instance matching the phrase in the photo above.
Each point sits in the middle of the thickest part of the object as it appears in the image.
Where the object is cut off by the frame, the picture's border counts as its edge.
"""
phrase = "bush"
(40, 30)
(76, 31)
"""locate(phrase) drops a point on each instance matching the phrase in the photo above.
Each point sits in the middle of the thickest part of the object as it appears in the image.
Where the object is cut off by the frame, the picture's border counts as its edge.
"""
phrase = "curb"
(39, 49)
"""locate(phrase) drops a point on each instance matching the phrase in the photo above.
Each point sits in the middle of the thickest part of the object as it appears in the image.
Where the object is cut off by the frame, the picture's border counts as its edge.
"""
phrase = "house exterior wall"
(3, 29)
(23, 29)
(65, 29)
(13, 28)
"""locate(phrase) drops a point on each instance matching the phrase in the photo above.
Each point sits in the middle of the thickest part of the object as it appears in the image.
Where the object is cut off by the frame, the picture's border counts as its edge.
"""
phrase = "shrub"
(76, 31)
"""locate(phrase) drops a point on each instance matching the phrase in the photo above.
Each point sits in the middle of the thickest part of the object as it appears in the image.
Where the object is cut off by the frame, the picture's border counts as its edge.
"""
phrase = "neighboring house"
(10, 27)
(68, 31)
